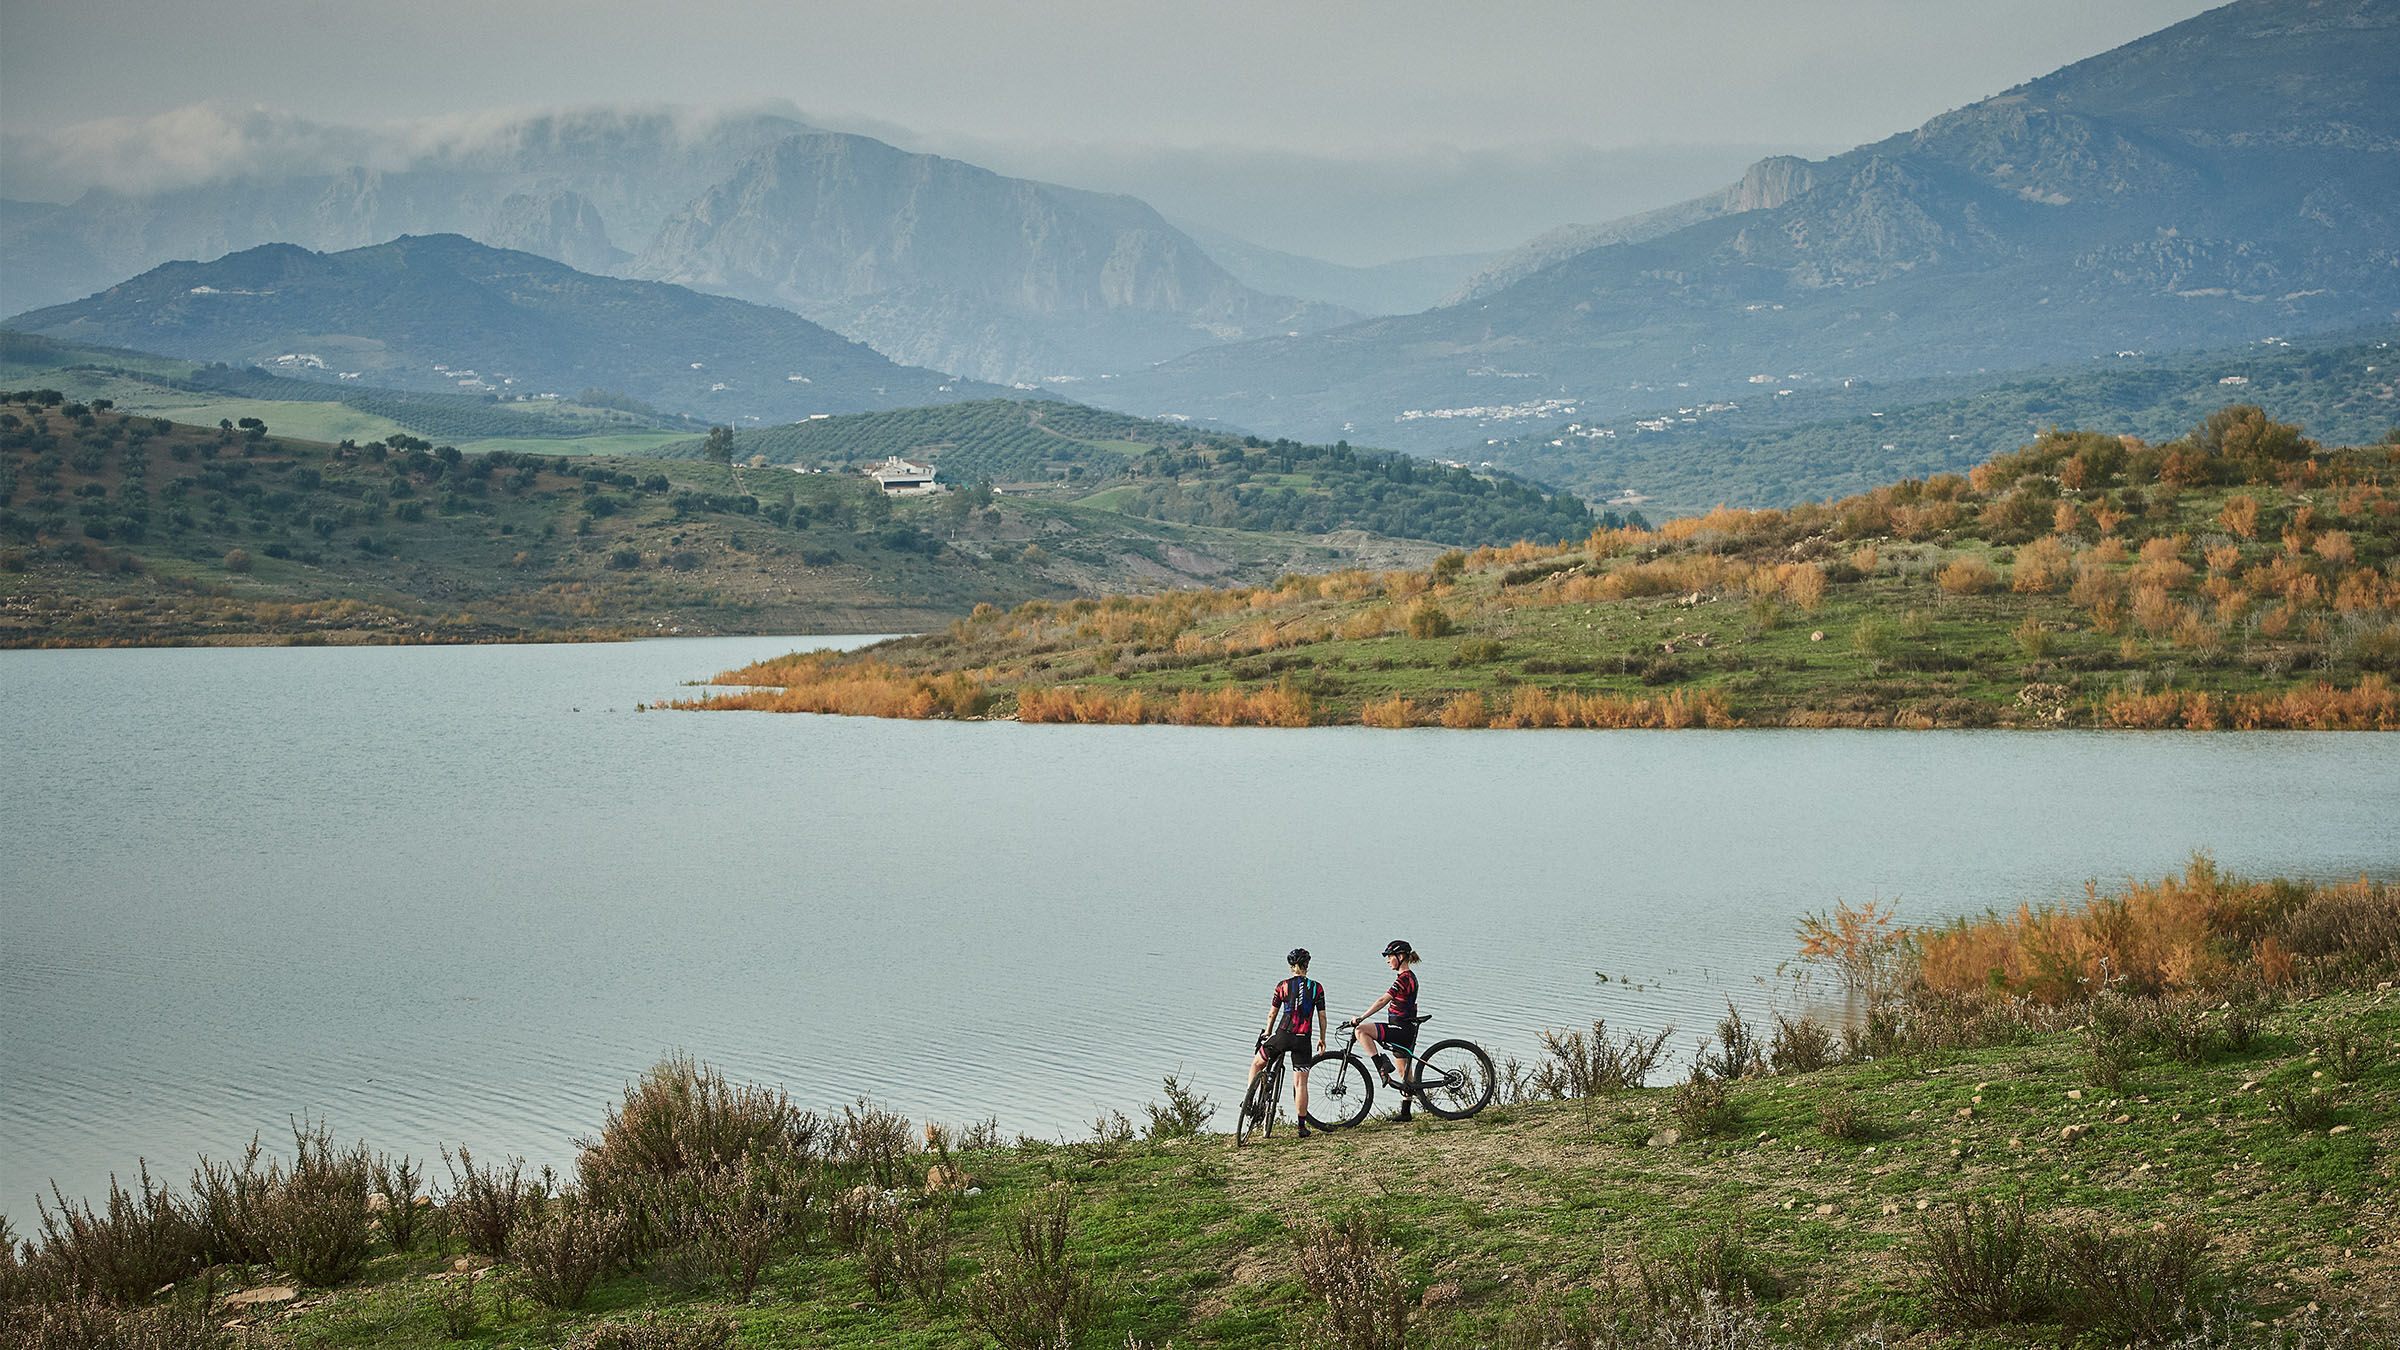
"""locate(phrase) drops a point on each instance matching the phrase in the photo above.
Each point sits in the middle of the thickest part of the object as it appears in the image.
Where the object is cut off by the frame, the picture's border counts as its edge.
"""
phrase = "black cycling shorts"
(1292, 1043)
(1401, 1036)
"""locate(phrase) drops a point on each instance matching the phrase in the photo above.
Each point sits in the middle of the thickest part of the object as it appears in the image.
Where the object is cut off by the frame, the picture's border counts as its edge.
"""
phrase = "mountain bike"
(1452, 1079)
(1262, 1102)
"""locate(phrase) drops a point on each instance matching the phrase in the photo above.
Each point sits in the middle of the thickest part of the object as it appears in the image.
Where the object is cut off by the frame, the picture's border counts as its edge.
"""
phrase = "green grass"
(1564, 1196)
(639, 443)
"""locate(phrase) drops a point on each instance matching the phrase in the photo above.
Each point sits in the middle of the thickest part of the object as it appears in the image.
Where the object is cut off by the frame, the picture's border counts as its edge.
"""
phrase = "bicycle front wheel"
(1454, 1079)
(1339, 1090)
(1273, 1076)
(1258, 1106)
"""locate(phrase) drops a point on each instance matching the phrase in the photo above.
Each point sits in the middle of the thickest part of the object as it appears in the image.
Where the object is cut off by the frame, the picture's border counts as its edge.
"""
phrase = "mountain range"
(441, 312)
(2232, 178)
(931, 260)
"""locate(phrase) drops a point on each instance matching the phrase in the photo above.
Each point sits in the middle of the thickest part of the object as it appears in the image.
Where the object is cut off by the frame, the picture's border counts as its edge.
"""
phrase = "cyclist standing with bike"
(1397, 1036)
(1298, 1008)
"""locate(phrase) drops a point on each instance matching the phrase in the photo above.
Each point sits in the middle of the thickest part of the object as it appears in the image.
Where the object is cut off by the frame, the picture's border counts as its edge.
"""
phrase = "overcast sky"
(1306, 75)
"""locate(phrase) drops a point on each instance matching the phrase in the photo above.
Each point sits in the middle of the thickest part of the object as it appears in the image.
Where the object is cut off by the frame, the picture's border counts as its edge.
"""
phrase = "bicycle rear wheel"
(1454, 1079)
(1340, 1089)
(1274, 1101)
(1258, 1106)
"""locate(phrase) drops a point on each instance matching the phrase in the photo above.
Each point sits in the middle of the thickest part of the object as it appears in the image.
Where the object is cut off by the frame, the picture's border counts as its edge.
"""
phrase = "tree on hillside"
(719, 446)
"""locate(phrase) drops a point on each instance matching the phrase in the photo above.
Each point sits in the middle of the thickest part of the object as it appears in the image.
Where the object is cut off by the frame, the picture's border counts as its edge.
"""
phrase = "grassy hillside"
(1164, 471)
(117, 527)
(2242, 575)
(204, 393)
(2199, 1161)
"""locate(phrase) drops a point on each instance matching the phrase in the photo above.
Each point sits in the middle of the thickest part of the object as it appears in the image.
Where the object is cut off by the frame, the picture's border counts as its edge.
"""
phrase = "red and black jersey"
(1299, 998)
(1403, 1007)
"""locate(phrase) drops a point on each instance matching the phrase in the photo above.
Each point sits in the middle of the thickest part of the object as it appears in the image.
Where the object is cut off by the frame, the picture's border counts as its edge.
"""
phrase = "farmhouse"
(904, 477)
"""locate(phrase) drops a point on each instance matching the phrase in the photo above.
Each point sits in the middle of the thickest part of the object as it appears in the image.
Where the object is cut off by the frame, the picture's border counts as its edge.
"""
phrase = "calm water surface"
(445, 895)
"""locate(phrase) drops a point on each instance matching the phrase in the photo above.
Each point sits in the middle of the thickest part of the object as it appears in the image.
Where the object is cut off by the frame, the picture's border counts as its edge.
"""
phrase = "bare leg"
(1300, 1094)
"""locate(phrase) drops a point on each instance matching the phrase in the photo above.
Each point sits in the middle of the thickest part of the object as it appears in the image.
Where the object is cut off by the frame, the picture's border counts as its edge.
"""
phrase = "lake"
(435, 895)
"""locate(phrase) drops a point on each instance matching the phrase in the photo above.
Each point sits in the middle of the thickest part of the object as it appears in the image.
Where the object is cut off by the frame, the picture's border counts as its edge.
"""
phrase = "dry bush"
(872, 1139)
(1967, 576)
(920, 1240)
(1394, 713)
(1465, 712)
(1982, 1263)
(1838, 1117)
(1578, 1066)
(142, 1240)
(1863, 944)
(683, 1116)
(487, 1204)
(562, 1248)
(828, 682)
(1356, 1276)
(2192, 932)
(2349, 930)
(1737, 1052)
(2041, 566)
(396, 1185)
(229, 1205)
(1033, 1295)
(318, 1224)
(2136, 1285)
(96, 1324)
(2304, 1110)
(454, 1302)
(1804, 1046)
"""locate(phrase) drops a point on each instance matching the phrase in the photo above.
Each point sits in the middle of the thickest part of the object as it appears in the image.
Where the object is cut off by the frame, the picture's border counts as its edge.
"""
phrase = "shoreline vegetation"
(2163, 1114)
(2242, 577)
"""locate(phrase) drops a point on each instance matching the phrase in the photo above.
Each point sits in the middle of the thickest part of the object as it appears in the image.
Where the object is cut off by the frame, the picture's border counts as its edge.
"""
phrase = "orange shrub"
(2065, 519)
(2162, 564)
(1865, 560)
(2180, 933)
(2223, 558)
(2334, 547)
(1967, 576)
(2041, 566)
(1394, 713)
(2240, 516)
(1804, 583)
(1465, 712)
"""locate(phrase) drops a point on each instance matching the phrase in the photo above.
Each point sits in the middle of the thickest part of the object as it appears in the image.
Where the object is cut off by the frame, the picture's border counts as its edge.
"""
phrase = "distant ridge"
(2231, 179)
(444, 312)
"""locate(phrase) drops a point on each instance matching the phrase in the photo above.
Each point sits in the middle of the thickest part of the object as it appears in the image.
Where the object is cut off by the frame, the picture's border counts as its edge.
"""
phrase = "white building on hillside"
(904, 477)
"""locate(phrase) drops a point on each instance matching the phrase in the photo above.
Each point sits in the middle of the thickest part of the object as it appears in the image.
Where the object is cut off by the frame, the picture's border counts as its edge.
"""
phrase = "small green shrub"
(1185, 1114)
(1714, 1267)
(1704, 1106)
(1033, 1295)
(2303, 1108)
(1838, 1117)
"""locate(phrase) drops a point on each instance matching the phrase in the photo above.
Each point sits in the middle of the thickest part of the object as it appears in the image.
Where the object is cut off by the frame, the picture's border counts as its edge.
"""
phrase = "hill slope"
(444, 312)
(2229, 179)
(2240, 576)
(118, 528)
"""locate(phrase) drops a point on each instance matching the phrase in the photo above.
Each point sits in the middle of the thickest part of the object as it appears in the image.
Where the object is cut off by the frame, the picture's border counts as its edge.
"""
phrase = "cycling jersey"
(1298, 1000)
(1403, 1008)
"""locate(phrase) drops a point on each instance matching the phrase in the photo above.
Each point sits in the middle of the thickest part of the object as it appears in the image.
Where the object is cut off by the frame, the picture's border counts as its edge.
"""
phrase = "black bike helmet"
(1297, 956)
(1397, 947)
